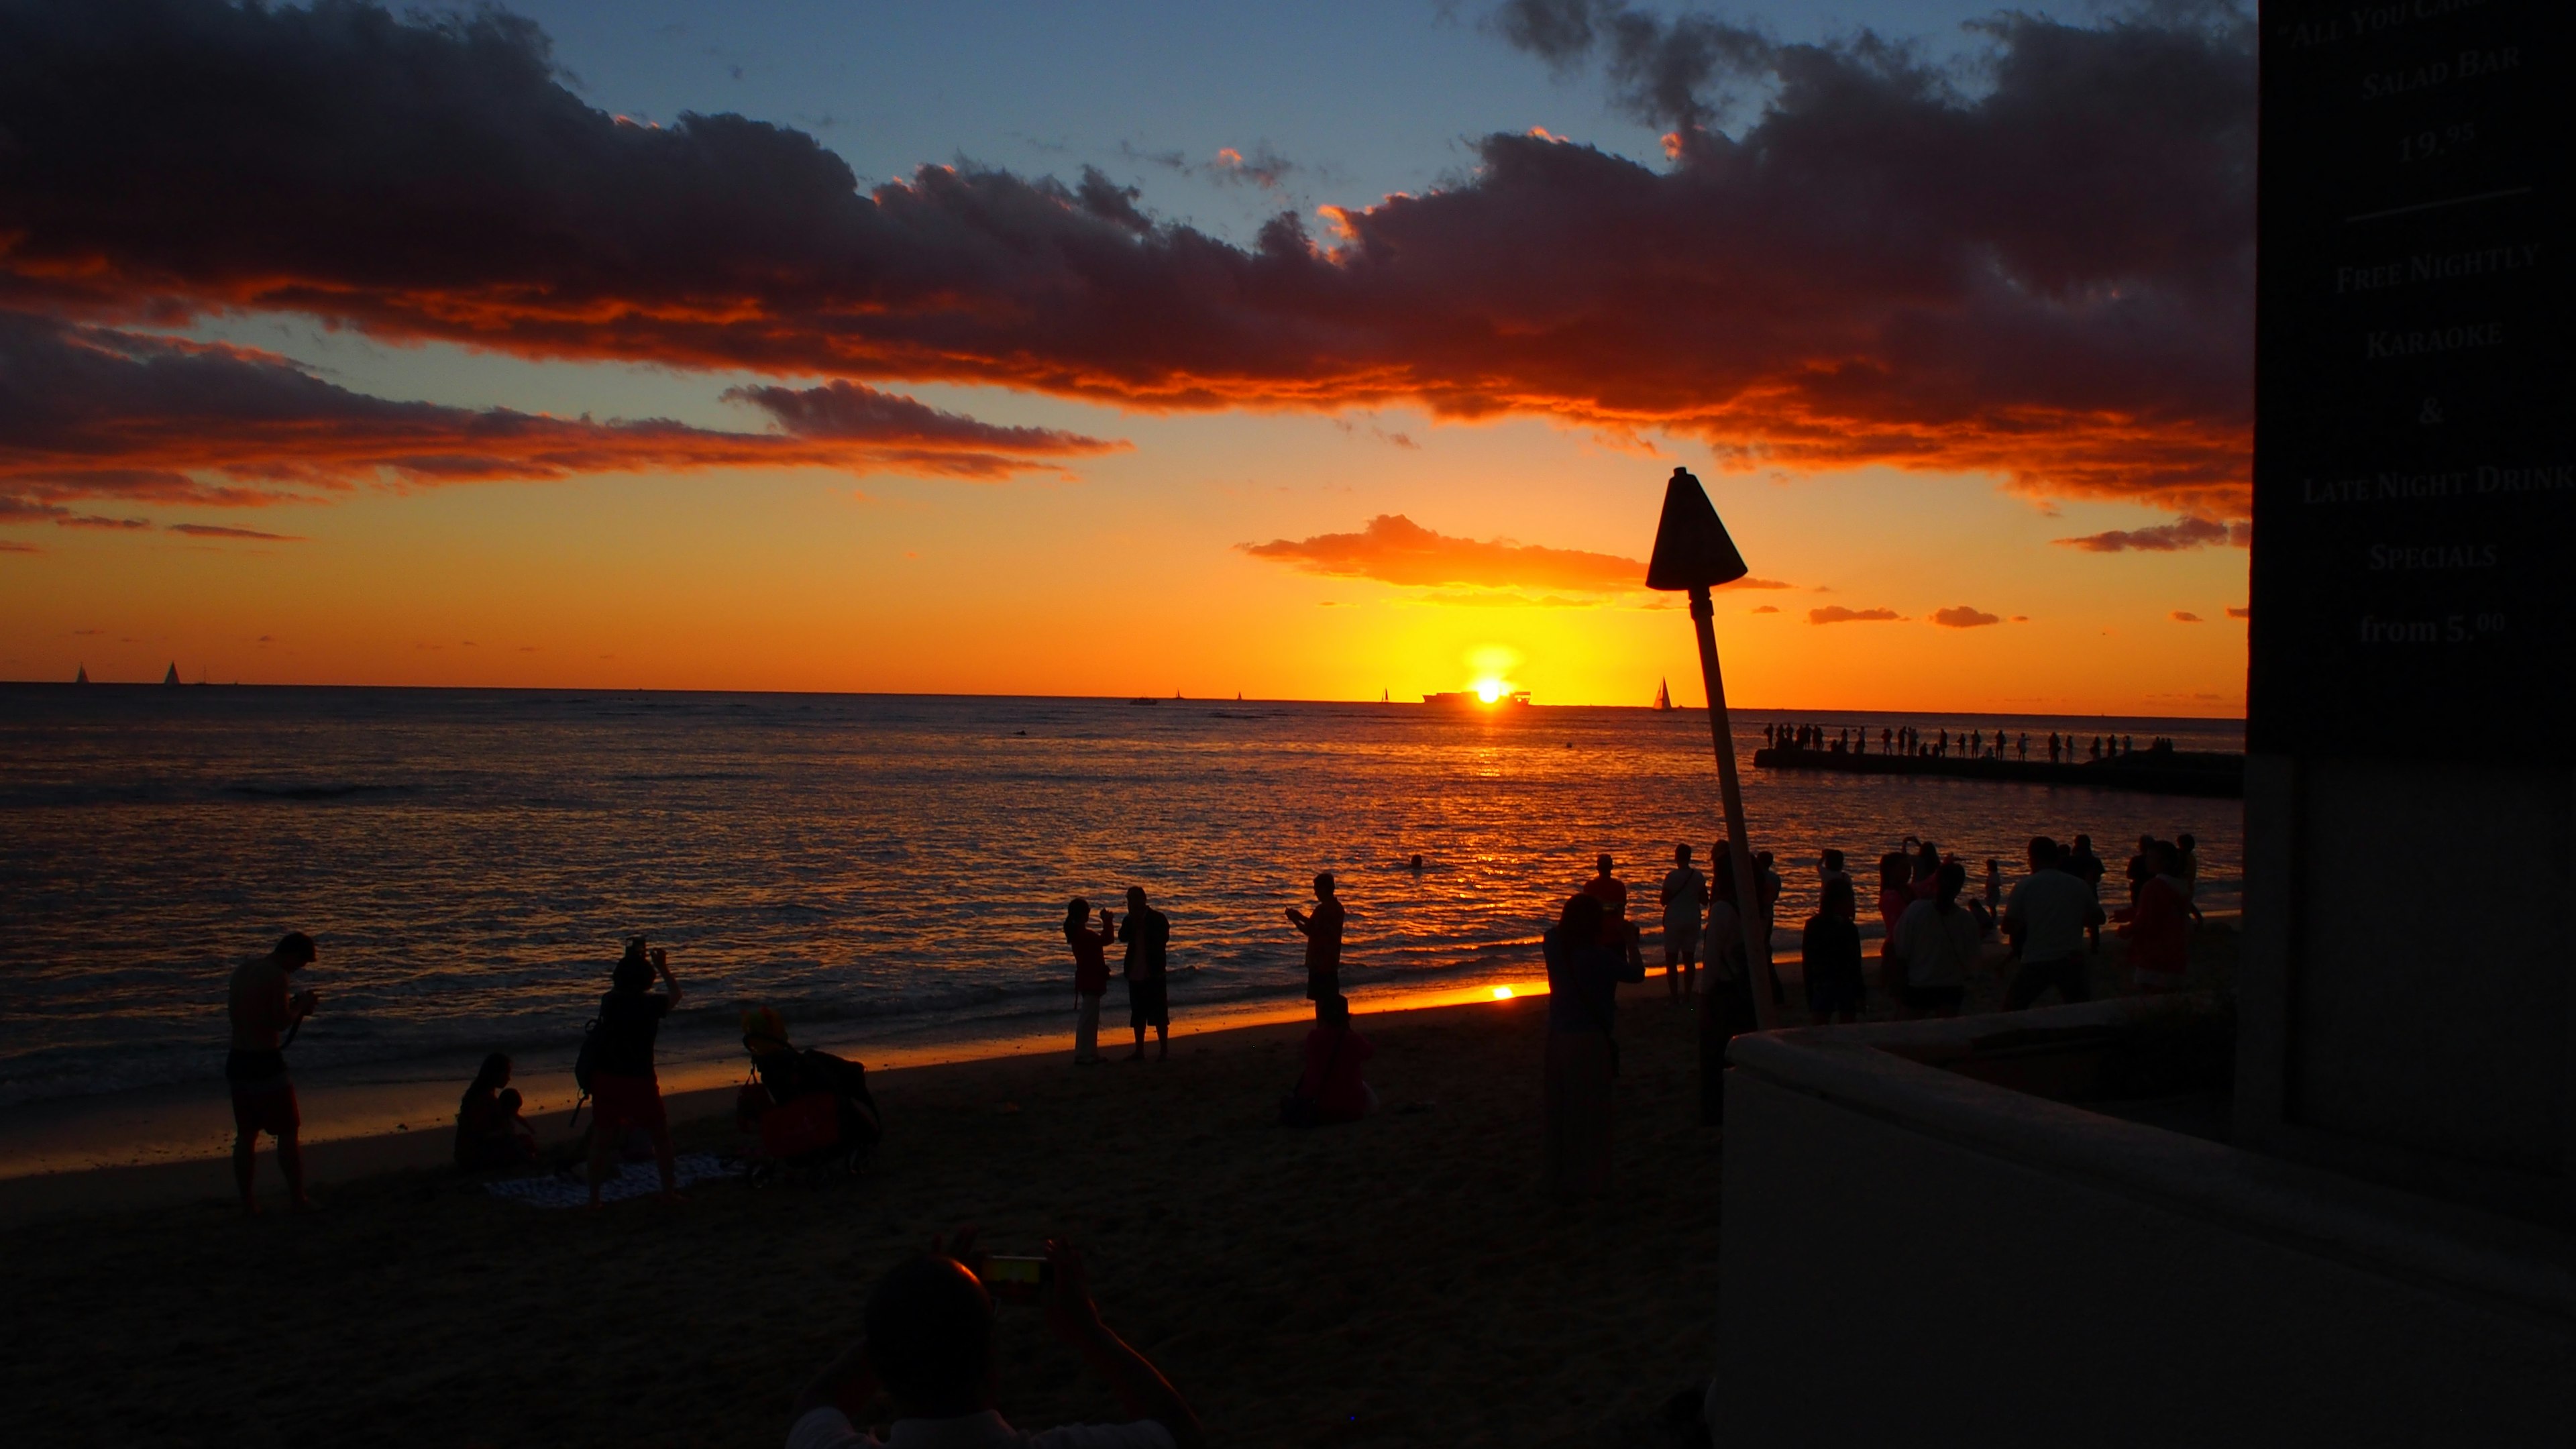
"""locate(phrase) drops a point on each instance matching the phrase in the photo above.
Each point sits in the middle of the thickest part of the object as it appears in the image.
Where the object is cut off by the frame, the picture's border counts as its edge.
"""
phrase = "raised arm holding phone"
(265, 1017)
(928, 1346)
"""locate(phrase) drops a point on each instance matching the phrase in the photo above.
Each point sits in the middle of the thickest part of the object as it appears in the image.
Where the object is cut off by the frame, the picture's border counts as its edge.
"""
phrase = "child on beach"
(1090, 974)
(489, 1129)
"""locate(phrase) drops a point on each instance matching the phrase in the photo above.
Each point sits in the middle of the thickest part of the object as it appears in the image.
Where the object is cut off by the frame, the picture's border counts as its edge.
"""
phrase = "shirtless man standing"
(263, 1096)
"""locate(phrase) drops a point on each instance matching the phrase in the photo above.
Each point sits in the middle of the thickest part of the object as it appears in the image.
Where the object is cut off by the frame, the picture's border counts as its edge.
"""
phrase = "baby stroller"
(808, 1113)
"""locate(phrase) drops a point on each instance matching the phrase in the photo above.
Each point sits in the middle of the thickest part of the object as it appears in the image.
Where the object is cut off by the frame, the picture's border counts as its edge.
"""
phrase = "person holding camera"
(622, 1083)
(263, 1095)
(1090, 974)
(1148, 934)
(928, 1345)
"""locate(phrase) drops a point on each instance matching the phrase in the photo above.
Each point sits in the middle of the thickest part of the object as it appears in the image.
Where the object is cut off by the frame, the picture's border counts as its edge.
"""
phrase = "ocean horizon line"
(1141, 701)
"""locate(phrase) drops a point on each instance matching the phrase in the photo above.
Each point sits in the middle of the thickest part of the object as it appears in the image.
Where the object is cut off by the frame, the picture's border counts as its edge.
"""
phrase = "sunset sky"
(1305, 350)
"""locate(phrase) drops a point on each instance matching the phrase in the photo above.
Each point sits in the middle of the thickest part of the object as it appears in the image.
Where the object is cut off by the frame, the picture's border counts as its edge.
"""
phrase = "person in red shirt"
(1612, 893)
(1090, 974)
(2159, 928)
(1334, 1054)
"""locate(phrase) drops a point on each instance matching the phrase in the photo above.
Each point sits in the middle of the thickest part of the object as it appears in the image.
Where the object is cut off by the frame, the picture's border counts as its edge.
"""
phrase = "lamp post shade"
(1692, 550)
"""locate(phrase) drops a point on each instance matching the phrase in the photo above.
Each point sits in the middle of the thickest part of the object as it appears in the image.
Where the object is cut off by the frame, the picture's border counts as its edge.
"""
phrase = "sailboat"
(1386, 696)
(173, 676)
(83, 676)
(1663, 694)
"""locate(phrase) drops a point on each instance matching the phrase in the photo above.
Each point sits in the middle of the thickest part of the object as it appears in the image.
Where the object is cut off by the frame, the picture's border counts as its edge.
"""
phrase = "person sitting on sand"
(1090, 974)
(622, 1082)
(789, 1073)
(928, 1344)
(488, 1126)
(1323, 933)
(1148, 934)
(1334, 1052)
(263, 1095)
(1830, 950)
(1684, 891)
(1583, 987)
(1939, 940)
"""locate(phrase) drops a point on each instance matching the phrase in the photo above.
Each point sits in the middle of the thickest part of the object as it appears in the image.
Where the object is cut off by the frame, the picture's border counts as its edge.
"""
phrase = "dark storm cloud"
(2187, 532)
(2041, 268)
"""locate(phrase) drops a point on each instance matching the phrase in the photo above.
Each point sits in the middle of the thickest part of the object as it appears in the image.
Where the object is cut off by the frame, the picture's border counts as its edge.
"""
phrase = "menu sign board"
(2414, 583)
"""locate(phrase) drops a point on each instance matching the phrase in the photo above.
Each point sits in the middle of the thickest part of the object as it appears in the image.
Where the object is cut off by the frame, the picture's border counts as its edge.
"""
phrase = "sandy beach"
(1402, 1280)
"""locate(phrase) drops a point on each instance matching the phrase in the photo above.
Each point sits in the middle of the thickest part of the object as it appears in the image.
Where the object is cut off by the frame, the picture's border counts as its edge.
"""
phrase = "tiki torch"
(1692, 552)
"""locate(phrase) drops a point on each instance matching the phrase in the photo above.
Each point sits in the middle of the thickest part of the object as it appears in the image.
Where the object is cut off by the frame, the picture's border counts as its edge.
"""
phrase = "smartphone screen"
(1016, 1279)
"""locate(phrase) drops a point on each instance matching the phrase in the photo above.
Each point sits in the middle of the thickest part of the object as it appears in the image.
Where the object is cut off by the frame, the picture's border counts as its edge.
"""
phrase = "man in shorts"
(1148, 934)
(1685, 891)
(262, 1011)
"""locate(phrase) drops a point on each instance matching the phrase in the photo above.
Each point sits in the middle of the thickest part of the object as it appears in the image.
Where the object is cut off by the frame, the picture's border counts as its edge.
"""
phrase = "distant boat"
(83, 676)
(1144, 699)
(1663, 694)
(1238, 696)
(173, 676)
(1386, 696)
(1517, 699)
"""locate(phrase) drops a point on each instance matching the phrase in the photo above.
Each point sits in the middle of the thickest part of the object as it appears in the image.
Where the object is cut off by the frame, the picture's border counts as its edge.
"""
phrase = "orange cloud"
(1394, 549)
(1964, 617)
(1837, 614)
(95, 412)
(2183, 616)
(2045, 280)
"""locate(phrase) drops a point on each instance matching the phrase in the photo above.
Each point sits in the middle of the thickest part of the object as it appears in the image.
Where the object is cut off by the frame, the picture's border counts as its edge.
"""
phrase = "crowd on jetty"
(1907, 741)
(806, 1109)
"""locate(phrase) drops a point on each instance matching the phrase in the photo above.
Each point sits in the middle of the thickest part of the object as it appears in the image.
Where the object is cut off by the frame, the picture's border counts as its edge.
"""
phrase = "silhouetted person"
(1612, 893)
(1090, 974)
(623, 1087)
(1583, 985)
(1829, 947)
(1415, 865)
(2046, 918)
(1829, 865)
(927, 1343)
(488, 1130)
(1148, 934)
(1939, 941)
(2187, 869)
(2052, 747)
(1885, 737)
(2141, 865)
(1334, 1053)
(1685, 891)
(2087, 867)
(264, 1013)
(1726, 1008)
(2021, 747)
(1323, 933)
(2160, 924)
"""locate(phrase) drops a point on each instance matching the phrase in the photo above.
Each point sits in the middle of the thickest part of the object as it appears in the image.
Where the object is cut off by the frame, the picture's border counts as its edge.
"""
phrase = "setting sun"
(1490, 690)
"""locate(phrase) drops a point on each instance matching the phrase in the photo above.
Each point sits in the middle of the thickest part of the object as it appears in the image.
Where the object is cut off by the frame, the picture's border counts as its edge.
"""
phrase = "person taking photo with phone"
(928, 1347)
(622, 1083)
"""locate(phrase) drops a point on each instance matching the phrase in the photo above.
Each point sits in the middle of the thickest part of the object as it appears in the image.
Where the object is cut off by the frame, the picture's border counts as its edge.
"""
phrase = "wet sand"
(1402, 1280)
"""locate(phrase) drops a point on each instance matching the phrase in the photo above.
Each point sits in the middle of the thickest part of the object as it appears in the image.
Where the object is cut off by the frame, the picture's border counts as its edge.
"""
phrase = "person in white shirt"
(1939, 940)
(2046, 918)
(929, 1347)
(1685, 890)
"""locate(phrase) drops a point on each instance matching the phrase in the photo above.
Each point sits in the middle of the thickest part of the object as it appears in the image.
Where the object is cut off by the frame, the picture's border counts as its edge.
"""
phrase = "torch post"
(1739, 852)
(1692, 552)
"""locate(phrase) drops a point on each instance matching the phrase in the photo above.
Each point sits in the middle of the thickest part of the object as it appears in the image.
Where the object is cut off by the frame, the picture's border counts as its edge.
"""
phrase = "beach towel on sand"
(633, 1179)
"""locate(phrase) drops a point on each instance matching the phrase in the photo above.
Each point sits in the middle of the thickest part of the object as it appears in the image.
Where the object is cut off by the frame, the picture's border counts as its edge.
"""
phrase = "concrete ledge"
(1975, 1260)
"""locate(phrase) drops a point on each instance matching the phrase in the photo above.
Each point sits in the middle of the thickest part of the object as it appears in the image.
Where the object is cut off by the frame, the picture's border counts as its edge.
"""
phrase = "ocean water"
(877, 867)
